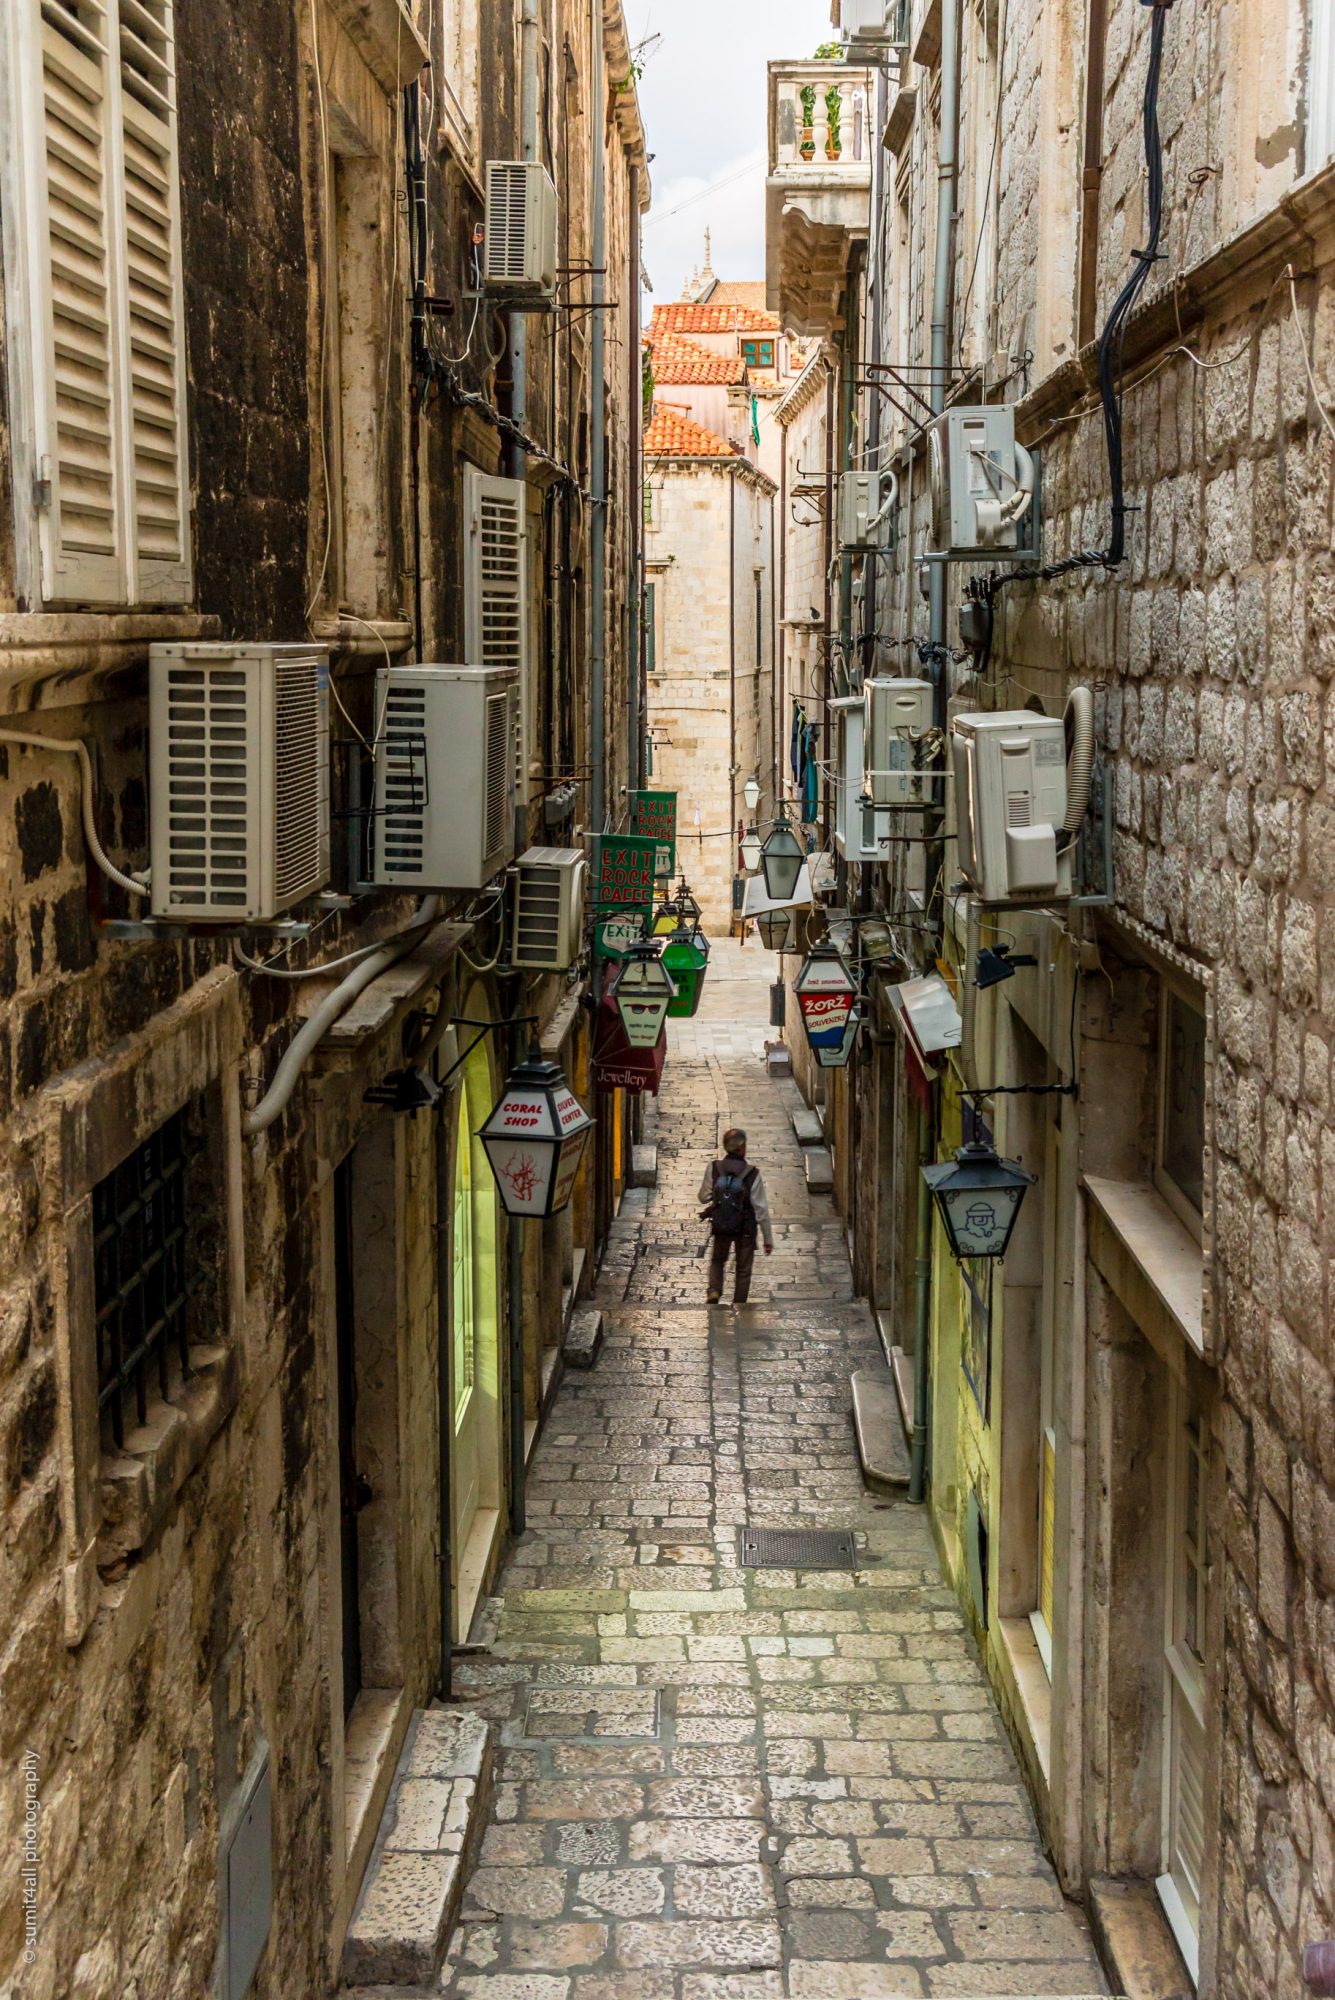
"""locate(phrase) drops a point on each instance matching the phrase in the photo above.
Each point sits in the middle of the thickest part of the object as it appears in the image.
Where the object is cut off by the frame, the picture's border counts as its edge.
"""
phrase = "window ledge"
(389, 43)
(76, 649)
(141, 1482)
(1151, 1260)
(1024, 1668)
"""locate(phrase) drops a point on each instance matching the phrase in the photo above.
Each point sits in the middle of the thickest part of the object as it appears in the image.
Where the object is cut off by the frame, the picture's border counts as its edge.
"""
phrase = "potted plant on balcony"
(834, 104)
(807, 147)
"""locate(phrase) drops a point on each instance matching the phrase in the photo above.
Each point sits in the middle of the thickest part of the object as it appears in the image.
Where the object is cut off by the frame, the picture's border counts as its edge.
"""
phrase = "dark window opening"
(150, 1267)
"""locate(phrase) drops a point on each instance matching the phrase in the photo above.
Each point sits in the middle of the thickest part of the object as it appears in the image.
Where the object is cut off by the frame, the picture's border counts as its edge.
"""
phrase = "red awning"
(616, 1065)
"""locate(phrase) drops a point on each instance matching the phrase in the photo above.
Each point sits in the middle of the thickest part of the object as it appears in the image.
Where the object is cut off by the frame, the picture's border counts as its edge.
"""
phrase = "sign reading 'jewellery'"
(654, 814)
(623, 877)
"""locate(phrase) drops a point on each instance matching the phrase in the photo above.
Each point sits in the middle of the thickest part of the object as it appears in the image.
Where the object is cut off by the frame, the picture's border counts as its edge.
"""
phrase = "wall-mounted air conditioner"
(865, 500)
(238, 769)
(898, 717)
(855, 820)
(444, 795)
(547, 919)
(1020, 797)
(863, 21)
(519, 254)
(982, 481)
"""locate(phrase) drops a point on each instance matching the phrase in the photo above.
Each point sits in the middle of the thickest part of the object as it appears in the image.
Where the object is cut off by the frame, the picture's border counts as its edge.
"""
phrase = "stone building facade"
(709, 565)
(1129, 1423)
(221, 1560)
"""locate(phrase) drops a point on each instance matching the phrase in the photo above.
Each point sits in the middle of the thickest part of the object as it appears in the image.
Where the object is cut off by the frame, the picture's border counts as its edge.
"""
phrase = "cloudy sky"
(703, 98)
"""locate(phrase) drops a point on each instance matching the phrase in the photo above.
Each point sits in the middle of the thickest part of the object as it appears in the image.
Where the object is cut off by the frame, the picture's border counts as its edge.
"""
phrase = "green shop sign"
(616, 936)
(654, 814)
(623, 875)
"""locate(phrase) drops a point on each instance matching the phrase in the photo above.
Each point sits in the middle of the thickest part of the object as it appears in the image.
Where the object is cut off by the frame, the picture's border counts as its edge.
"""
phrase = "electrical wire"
(133, 885)
(1302, 344)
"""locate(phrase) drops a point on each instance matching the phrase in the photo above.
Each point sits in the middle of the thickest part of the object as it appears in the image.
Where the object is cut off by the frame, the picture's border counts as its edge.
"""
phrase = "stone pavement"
(726, 1784)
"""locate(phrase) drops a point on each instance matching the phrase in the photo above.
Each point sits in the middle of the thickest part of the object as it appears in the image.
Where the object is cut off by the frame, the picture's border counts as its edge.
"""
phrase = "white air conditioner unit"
(868, 20)
(865, 499)
(238, 768)
(444, 776)
(898, 716)
(548, 916)
(982, 481)
(855, 821)
(520, 244)
(1011, 805)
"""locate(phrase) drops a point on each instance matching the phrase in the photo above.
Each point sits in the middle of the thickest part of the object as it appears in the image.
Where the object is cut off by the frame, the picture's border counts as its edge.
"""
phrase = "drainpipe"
(922, 1316)
(444, 1391)
(635, 365)
(942, 287)
(528, 150)
(597, 442)
(827, 671)
(1087, 284)
(942, 292)
(515, 1322)
(732, 667)
(846, 462)
(780, 642)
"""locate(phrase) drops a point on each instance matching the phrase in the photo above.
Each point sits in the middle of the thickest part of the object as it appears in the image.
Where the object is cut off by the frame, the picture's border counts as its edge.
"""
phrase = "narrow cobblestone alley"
(726, 1784)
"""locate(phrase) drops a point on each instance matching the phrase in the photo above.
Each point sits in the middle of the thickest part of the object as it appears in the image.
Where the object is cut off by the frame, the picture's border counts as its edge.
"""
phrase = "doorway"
(475, 1334)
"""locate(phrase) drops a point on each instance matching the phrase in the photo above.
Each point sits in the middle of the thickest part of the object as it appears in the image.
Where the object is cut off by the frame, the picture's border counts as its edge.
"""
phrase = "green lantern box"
(686, 957)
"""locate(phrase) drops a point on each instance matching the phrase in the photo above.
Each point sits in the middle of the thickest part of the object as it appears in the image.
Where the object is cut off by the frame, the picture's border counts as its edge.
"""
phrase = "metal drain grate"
(797, 1548)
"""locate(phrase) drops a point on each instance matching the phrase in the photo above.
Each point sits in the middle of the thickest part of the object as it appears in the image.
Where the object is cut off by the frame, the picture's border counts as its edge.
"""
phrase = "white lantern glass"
(534, 1140)
(750, 850)
(781, 859)
(645, 990)
(751, 793)
(978, 1197)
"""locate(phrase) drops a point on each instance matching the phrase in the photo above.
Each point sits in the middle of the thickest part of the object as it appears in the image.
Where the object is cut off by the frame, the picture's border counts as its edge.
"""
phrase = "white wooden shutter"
(496, 611)
(154, 332)
(68, 165)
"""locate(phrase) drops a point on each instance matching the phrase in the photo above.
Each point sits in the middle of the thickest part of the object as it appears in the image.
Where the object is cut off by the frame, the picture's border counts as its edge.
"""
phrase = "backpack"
(730, 1210)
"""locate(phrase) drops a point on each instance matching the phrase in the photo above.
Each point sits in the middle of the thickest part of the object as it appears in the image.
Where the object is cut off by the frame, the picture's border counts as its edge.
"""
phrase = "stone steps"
(882, 1446)
(438, 1806)
(584, 1337)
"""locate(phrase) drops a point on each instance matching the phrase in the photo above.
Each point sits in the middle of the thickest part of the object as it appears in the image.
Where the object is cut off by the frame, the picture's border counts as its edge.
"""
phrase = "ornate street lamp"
(825, 992)
(751, 793)
(749, 848)
(645, 989)
(776, 928)
(781, 859)
(978, 1196)
(535, 1138)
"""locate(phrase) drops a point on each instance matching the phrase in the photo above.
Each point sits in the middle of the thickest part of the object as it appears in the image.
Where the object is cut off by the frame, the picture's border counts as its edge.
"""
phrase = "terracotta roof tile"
(748, 292)
(671, 434)
(680, 317)
(683, 361)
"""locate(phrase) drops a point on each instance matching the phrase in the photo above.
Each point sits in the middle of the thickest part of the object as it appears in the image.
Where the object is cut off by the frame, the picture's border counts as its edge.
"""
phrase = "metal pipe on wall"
(528, 150)
(635, 408)
(597, 438)
(444, 1391)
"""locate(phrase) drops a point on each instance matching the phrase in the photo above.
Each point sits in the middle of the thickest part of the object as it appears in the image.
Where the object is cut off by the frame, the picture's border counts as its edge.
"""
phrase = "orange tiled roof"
(681, 317)
(748, 292)
(672, 434)
(682, 361)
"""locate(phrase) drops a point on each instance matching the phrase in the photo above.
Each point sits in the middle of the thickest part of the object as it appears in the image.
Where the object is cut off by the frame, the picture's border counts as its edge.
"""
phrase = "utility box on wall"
(1010, 803)
(444, 803)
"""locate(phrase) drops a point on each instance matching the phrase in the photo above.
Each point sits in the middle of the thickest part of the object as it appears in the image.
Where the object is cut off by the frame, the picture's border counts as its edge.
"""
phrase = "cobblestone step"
(883, 1449)
(438, 1806)
(584, 1337)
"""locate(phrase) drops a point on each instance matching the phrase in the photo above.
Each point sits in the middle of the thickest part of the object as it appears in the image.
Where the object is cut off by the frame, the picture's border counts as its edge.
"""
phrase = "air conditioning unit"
(982, 481)
(520, 244)
(444, 792)
(899, 714)
(855, 821)
(1011, 805)
(548, 915)
(868, 20)
(865, 498)
(238, 768)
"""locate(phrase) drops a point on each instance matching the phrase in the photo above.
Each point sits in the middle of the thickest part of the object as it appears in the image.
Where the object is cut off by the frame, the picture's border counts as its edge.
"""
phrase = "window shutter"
(68, 167)
(158, 480)
(496, 622)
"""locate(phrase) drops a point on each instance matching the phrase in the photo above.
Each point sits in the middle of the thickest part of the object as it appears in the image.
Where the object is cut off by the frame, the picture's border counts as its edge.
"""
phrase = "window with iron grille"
(150, 1266)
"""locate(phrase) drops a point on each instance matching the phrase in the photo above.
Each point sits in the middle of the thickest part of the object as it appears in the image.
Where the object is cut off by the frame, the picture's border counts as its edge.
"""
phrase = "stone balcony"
(818, 194)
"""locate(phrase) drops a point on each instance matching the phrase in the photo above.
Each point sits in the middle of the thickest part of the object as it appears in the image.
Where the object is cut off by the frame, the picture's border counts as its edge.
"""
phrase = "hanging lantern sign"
(644, 992)
(825, 993)
(978, 1198)
(617, 937)
(654, 815)
(616, 1064)
(775, 928)
(836, 1055)
(751, 793)
(623, 876)
(781, 860)
(686, 958)
(749, 848)
(535, 1139)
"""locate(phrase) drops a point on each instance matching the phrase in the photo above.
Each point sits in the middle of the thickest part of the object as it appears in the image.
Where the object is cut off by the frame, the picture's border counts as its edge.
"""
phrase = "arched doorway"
(475, 1334)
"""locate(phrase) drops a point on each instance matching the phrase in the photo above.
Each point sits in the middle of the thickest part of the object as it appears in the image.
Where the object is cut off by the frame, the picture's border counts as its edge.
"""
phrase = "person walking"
(736, 1209)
